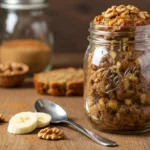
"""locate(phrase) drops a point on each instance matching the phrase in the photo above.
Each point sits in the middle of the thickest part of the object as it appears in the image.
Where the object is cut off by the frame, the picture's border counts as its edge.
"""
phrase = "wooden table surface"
(16, 100)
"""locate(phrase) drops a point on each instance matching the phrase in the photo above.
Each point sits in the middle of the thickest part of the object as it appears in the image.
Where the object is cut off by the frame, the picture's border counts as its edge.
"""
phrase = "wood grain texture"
(16, 100)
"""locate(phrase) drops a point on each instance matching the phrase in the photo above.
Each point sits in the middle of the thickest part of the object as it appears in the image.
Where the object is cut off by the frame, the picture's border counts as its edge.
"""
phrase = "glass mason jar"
(117, 79)
(26, 36)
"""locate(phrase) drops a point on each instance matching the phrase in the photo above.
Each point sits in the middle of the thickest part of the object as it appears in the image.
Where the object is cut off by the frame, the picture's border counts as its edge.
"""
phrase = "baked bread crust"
(60, 82)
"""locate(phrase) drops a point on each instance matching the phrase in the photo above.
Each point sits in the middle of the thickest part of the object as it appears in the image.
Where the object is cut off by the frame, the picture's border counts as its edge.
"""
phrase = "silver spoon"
(60, 116)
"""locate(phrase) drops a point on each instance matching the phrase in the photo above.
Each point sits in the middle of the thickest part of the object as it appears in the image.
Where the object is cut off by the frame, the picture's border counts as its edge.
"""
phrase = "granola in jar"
(117, 70)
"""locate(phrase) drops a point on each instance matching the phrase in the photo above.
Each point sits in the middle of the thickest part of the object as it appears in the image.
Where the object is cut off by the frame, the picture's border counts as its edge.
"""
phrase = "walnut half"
(51, 134)
(2, 119)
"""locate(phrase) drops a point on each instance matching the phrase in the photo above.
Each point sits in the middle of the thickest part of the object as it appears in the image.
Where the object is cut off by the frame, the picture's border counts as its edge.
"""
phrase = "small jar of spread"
(117, 71)
(26, 36)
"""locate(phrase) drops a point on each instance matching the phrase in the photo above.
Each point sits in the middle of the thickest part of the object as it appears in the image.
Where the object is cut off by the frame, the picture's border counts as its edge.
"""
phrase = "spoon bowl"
(60, 116)
(57, 113)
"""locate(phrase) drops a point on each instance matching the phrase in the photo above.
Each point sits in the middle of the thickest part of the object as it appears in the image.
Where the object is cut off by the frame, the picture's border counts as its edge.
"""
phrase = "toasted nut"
(120, 21)
(112, 105)
(118, 66)
(101, 104)
(10, 68)
(125, 39)
(103, 14)
(111, 95)
(110, 13)
(126, 84)
(113, 54)
(122, 110)
(111, 22)
(98, 19)
(51, 134)
(128, 102)
(118, 116)
(125, 14)
(121, 8)
(143, 15)
(6, 72)
(113, 7)
(143, 98)
(132, 77)
(130, 14)
(133, 9)
(2, 119)
(4, 67)
(96, 80)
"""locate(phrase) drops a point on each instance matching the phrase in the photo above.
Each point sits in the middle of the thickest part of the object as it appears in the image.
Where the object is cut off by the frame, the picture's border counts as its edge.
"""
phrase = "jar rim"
(118, 29)
(108, 34)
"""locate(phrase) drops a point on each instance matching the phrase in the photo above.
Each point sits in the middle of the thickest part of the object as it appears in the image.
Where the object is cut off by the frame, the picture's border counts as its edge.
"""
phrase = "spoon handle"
(95, 137)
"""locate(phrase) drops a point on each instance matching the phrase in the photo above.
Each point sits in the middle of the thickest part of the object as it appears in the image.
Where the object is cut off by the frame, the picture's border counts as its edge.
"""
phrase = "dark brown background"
(70, 22)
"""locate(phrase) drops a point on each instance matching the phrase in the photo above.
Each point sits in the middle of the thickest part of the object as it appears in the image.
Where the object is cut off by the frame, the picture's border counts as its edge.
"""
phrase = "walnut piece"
(133, 9)
(2, 119)
(10, 68)
(111, 13)
(123, 16)
(121, 9)
(51, 133)
(143, 15)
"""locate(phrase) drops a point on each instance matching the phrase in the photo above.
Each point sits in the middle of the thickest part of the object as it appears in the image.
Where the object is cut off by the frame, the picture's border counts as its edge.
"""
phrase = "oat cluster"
(123, 16)
(51, 134)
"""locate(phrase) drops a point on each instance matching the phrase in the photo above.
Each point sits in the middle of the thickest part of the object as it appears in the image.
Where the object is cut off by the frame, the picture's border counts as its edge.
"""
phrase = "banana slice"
(43, 119)
(23, 122)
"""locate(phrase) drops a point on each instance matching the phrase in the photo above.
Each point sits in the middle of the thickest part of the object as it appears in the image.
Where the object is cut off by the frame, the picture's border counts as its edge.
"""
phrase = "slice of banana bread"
(60, 82)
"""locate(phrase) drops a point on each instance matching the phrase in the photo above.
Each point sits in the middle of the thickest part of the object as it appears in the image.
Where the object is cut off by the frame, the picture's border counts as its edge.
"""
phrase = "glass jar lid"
(24, 4)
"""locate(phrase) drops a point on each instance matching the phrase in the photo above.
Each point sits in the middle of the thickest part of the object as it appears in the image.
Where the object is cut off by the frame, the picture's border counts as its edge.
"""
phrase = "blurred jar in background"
(26, 36)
